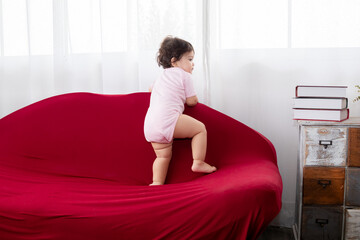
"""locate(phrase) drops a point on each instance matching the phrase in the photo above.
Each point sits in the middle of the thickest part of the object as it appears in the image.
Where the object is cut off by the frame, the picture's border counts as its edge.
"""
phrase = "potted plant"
(358, 97)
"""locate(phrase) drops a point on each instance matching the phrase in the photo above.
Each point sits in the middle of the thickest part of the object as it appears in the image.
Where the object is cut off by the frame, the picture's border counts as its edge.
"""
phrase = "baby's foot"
(202, 167)
(156, 183)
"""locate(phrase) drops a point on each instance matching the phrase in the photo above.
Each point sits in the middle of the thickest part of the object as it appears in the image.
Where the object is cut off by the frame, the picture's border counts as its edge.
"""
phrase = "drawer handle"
(325, 143)
(324, 183)
(322, 222)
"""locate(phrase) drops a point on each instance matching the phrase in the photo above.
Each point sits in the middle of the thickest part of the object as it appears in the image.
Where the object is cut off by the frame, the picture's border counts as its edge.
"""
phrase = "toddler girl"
(165, 120)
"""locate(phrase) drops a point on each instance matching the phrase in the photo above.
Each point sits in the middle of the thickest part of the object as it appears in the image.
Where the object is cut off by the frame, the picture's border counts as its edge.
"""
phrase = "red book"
(321, 114)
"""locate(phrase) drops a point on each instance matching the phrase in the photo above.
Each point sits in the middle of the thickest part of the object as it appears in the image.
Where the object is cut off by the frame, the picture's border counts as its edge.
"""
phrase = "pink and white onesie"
(167, 101)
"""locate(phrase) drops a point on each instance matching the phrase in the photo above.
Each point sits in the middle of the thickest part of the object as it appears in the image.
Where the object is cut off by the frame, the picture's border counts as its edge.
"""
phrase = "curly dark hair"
(172, 47)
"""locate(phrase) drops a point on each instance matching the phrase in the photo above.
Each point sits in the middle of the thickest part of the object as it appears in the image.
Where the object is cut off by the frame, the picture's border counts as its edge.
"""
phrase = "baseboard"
(286, 217)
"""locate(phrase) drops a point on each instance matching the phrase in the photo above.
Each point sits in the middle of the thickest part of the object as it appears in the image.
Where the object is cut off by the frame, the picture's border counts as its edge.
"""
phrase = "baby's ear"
(173, 61)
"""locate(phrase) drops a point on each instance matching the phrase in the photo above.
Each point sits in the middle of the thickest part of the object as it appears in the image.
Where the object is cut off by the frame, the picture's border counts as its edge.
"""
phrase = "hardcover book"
(321, 91)
(321, 103)
(321, 114)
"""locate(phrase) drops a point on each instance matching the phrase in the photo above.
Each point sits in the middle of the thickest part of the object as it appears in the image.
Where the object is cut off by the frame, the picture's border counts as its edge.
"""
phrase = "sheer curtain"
(101, 46)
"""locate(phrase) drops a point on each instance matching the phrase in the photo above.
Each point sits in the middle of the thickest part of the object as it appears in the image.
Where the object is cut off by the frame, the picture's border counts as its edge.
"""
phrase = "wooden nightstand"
(328, 189)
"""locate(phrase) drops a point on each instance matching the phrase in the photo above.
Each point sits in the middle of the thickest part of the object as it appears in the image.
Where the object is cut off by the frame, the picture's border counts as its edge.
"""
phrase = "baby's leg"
(188, 127)
(163, 153)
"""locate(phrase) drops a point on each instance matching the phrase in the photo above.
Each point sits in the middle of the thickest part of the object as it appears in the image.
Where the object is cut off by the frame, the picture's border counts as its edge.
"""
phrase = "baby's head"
(172, 50)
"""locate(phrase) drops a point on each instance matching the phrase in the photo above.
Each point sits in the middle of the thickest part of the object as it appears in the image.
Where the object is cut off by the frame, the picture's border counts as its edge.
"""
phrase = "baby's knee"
(203, 128)
(165, 153)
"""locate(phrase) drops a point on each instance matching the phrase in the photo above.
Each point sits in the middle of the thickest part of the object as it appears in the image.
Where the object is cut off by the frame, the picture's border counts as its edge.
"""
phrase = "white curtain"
(101, 46)
(49, 47)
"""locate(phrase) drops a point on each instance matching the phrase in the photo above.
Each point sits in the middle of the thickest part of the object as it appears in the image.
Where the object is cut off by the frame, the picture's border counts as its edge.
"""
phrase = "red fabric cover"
(77, 166)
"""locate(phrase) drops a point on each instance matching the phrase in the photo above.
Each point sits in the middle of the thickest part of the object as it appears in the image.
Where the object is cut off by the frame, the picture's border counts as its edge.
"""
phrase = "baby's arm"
(192, 101)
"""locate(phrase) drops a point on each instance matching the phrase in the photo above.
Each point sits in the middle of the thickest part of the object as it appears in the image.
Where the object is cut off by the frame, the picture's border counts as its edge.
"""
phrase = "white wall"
(256, 87)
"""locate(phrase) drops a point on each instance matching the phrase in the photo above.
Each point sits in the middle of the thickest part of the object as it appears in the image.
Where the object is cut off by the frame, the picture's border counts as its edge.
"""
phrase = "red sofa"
(77, 166)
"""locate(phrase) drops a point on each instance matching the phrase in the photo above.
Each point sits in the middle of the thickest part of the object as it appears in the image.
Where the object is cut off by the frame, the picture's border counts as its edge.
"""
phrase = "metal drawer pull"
(322, 222)
(325, 143)
(324, 183)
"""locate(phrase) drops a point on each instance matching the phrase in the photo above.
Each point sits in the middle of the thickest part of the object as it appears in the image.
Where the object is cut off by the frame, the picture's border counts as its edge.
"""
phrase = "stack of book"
(321, 103)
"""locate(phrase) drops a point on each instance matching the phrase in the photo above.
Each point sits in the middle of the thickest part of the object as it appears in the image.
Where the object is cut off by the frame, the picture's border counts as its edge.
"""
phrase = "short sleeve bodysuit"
(167, 101)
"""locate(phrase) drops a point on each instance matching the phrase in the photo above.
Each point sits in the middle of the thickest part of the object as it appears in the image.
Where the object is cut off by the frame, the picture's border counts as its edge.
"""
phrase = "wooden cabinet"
(354, 147)
(325, 146)
(322, 223)
(328, 189)
(323, 186)
(353, 187)
(352, 229)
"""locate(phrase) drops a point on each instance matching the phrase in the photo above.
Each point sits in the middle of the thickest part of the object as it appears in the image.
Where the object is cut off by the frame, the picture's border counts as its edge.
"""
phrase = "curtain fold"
(100, 46)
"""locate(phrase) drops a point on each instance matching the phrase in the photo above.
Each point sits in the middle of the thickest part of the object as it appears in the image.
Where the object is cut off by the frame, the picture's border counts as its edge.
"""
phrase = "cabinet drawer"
(354, 147)
(323, 185)
(353, 187)
(325, 146)
(352, 224)
(319, 223)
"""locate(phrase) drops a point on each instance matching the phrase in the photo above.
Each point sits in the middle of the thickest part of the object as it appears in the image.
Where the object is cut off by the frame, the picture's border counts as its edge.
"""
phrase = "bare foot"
(156, 183)
(202, 167)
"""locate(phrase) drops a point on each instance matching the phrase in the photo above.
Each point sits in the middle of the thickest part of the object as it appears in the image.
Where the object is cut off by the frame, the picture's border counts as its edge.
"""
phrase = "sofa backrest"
(99, 136)
(81, 135)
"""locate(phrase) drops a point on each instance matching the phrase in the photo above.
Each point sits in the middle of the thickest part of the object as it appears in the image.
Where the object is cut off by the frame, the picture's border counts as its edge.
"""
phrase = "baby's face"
(186, 62)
